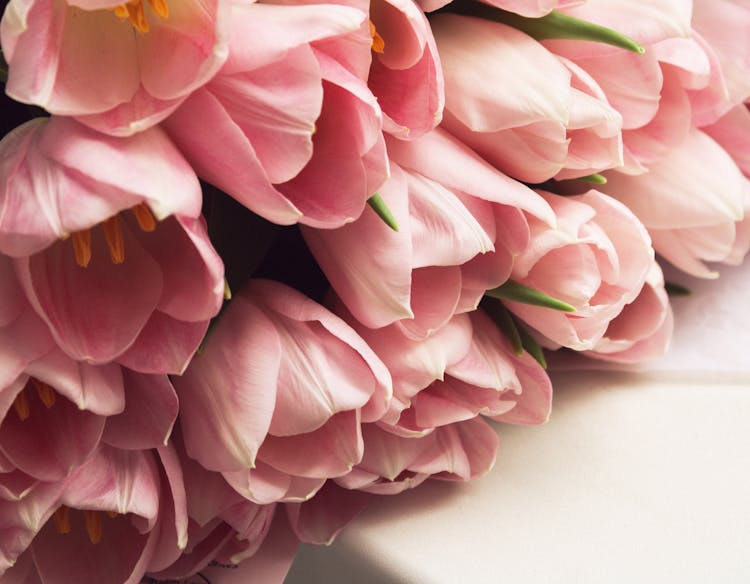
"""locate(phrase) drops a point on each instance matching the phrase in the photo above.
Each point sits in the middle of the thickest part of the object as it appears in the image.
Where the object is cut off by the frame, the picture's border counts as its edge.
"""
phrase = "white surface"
(638, 477)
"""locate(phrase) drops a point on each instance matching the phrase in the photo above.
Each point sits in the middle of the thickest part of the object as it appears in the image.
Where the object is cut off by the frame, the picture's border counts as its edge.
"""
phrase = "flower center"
(378, 44)
(46, 396)
(135, 12)
(92, 519)
(113, 236)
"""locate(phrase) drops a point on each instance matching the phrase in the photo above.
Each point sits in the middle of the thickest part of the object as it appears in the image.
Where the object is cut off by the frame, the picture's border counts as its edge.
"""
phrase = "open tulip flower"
(117, 516)
(451, 207)
(296, 382)
(108, 243)
(596, 260)
(120, 67)
(296, 134)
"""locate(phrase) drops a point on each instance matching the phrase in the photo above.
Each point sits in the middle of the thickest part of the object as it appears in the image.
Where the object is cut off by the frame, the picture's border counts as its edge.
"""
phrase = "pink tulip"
(724, 26)
(450, 206)
(295, 132)
(56, 411)
(690, 216)
(405, 75)
(391, 464)
(465, 369)
(297, 382)
(679, 78)
(643, 330)
(222, 526)
(120, 68)
(596, 260)
(138, 287)
(107, 522)
(732, 133)
(519, 106)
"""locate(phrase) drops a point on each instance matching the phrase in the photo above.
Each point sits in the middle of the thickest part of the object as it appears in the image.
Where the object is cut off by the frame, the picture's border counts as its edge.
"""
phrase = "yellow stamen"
(160, 7)
(62, 519)
(112, 514)
(45, 393)
(378, 44)
(121, 11)
(93, 525)
(82, 247)
(145, 217)
(21, 404)
(137, 16)
(115, 241)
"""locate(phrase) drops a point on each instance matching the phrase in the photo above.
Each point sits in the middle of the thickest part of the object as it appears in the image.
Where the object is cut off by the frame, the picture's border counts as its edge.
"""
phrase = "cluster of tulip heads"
(262, 261)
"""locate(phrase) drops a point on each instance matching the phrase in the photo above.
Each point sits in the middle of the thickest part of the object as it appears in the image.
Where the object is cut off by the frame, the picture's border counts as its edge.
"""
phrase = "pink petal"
(439, 156)
(51, 441)
(150, 412)
(225, 157)
(497, 77)
(94, 313)
(96, 388)
(224, 429)
(116, 558)
(434, 296)
(319, 520)
(123, 481)
(184, 51)
(164, 345)
(376, 287)
(340, 439)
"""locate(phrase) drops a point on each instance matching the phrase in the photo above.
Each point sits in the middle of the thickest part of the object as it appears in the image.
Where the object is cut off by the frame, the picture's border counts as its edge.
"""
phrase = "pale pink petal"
(435, 292)
(224, 429)
(376, 287)
(439, 156)
(225, 157)
(329, 451)
(496, 76)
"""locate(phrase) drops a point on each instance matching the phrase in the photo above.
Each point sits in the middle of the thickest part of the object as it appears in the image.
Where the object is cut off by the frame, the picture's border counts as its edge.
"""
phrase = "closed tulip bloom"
(119, 67)
(596, 260)
(514, 102)
(451, 208)
(296, 383)
(108, 243)
(690, 216)
(643, 330)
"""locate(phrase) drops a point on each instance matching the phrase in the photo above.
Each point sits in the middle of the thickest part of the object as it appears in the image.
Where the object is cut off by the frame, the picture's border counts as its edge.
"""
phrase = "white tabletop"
(638, 477)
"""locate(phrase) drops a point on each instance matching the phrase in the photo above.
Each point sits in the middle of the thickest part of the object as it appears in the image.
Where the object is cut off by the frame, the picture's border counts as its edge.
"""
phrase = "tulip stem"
(554, 25)
(516, 292)
(676, 289)
(502, 318)
(378, 205)
(594, 179)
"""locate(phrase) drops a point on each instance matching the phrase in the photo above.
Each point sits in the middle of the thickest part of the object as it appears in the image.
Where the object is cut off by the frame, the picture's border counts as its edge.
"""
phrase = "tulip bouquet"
(261, 261)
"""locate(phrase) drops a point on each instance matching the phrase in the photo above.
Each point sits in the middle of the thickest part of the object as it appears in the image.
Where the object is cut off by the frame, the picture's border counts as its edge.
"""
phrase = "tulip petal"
(51, 441)
(150, 412)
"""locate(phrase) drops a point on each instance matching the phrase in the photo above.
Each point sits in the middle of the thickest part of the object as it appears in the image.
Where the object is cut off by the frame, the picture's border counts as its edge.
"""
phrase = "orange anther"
(45, 393)
(115, 241)
(378, 44)
(21, 405)
(144, 216)
(62, 519)
(93, 525)
(82, 247)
